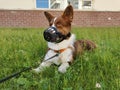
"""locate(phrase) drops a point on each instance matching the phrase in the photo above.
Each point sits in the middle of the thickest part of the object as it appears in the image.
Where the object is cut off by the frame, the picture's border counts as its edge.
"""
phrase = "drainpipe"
(80, 4)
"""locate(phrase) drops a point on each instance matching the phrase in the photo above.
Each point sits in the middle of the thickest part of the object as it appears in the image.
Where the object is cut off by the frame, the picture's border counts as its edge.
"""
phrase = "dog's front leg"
(46, 63)
(63, 67)
(42, 66)
(66, 57)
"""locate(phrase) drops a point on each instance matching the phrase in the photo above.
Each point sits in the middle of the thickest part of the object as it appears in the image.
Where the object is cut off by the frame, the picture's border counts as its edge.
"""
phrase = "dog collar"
(61, 50)
(58, 51)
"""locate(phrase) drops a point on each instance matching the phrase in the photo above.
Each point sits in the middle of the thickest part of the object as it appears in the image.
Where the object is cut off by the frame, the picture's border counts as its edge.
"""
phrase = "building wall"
(106, 5)
(17, 4)
(36, 18)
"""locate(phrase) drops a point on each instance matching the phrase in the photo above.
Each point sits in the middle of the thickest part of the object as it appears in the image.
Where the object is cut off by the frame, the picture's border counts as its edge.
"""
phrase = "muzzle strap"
(67, 36)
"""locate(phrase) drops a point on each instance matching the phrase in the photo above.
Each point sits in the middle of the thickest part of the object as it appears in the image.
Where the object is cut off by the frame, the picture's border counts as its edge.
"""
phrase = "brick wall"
(36, 18)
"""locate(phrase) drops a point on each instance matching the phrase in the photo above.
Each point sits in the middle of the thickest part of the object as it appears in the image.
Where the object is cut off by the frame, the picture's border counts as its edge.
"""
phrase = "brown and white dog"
(61, 40)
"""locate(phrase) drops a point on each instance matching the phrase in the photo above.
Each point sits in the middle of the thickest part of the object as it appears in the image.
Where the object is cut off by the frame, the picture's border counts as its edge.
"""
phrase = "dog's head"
(60, 26)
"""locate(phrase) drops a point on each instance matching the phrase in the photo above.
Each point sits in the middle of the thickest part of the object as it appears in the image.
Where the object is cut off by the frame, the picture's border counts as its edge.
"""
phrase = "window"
(74, 3)
(42, 3)
(87, 4)
(81, 4)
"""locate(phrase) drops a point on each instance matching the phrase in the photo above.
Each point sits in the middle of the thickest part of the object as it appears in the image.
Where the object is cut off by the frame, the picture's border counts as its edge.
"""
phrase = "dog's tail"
(82, 45)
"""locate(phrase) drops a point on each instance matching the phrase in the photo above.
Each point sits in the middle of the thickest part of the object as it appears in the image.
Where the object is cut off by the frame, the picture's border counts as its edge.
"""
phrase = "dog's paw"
(63, 68)
(36, 70)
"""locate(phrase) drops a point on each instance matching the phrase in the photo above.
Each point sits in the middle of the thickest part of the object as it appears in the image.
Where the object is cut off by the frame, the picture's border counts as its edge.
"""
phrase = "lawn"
(24, 47)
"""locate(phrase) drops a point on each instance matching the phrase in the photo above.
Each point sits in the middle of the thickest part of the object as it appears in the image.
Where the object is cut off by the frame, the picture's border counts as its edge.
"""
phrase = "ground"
(24, 47)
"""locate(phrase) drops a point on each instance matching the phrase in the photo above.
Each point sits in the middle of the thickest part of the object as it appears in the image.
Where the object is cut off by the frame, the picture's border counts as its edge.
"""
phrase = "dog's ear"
(48, 16)
(68, 13)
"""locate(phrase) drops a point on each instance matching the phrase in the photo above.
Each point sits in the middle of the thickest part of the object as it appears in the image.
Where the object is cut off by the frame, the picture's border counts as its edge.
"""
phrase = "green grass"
(20, 48)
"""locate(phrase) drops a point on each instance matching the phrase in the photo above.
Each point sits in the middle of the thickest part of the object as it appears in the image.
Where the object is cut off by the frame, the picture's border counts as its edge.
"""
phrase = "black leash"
(23, 70)
(57, 54)
(15, 74)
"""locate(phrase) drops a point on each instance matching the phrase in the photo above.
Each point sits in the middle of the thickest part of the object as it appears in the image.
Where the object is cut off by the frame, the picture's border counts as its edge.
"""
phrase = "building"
(87, 13)
(93, 5)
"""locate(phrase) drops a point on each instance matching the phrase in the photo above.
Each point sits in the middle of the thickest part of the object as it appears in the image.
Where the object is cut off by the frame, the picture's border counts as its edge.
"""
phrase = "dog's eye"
(58, 24)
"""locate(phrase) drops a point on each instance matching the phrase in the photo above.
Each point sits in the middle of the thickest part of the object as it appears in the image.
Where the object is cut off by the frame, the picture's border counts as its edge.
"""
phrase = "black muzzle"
(53, 35)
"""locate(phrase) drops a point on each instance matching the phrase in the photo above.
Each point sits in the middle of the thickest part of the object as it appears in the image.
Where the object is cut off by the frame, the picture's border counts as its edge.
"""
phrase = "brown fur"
(82, 45)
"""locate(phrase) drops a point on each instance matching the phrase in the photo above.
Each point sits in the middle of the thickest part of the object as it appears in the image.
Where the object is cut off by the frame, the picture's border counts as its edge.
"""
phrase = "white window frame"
(87, 6)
